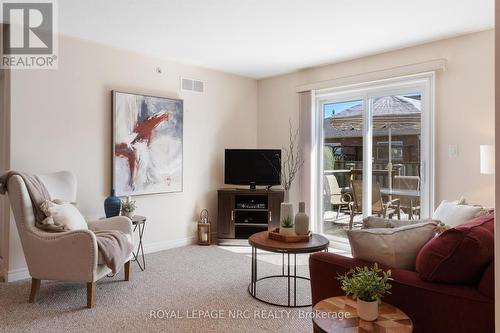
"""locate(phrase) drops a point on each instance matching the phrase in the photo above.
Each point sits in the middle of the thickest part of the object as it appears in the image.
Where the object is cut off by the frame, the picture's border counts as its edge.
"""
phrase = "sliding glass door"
(374, 155)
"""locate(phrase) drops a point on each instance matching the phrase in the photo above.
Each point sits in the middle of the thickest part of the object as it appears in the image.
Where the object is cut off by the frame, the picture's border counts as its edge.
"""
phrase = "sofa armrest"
(324, 268)
(486, 285)
(120, 223)
(64, 256)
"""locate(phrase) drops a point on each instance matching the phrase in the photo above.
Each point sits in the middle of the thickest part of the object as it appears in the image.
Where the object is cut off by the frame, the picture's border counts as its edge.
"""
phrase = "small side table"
(262, 241)
(139, 223)
(326, 318)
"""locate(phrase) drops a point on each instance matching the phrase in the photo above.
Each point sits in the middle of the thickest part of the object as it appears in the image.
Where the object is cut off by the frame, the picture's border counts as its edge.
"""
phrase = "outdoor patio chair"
(333, 193)
(409, 205)
(379, 207)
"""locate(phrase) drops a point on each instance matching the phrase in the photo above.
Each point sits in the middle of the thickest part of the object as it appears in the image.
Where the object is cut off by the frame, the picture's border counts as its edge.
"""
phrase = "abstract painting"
(147, 144)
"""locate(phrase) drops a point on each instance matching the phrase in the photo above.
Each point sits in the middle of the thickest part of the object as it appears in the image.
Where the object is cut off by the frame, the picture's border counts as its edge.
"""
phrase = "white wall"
(464, 107)
(4, 165)
(61, 120)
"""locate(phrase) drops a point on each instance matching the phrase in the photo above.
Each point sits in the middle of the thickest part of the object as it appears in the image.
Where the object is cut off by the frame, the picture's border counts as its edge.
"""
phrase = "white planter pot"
(367, 310)
(286, 209)
(129, 214)
(287, 231)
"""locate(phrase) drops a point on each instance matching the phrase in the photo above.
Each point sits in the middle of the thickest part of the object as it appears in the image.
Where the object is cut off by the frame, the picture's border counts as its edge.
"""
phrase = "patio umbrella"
(389, 112)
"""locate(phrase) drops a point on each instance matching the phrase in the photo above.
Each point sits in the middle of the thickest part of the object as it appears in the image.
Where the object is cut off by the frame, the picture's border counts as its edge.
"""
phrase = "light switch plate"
(453, 151)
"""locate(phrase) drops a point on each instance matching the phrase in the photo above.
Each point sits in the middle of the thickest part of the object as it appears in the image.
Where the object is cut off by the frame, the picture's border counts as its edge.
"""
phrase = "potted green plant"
(128, 207)
(286, 227)
(367, 286)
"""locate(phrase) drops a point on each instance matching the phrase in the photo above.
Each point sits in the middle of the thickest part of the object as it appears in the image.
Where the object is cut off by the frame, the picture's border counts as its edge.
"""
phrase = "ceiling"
(261, 38)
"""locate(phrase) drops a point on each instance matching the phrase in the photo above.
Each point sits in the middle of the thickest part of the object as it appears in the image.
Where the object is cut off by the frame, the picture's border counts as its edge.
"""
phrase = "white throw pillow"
(64, 214)
(453, 214)
(393, 247)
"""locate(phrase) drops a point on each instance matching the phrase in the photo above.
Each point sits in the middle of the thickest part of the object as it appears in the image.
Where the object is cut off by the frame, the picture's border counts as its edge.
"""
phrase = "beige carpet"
(187, 281)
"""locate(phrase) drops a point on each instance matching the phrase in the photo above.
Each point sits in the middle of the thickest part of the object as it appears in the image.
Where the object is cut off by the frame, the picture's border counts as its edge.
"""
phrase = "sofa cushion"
(392, 247)
(460, 254)
(454, 213)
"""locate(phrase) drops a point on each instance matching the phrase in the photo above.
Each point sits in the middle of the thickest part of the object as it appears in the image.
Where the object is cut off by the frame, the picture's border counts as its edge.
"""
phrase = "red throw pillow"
(460, 254)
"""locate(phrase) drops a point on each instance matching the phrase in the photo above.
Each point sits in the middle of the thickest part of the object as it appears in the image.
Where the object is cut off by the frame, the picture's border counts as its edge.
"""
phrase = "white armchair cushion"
(64, 214)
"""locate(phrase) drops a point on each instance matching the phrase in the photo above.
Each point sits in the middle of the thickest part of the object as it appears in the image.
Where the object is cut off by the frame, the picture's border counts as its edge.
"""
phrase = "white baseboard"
(23, 273)
(18, 274)
(165, 245)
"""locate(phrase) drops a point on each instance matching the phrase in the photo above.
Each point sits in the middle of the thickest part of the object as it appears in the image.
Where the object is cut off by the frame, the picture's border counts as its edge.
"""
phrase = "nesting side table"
(262, 241)
(326, 320)
(139, 223)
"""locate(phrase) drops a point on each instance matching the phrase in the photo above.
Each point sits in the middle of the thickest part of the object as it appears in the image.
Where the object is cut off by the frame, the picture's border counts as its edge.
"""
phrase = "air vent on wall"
(192, 85)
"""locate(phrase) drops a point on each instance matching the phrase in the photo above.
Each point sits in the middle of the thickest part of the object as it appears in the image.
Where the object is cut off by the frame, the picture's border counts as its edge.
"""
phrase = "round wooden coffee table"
(261, 241)
(339, 315)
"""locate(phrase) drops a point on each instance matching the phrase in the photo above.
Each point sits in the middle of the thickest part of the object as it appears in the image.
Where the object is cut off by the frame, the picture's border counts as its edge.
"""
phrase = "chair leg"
(35, 287)
(127, 271)
(90, 294)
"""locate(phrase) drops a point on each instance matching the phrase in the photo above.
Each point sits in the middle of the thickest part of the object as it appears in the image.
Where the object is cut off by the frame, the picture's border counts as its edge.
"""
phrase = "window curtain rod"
(421, 67)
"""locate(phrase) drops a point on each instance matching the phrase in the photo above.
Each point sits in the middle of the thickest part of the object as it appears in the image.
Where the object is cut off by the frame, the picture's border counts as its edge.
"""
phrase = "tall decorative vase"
(112, 205)
(286, 196)
(302, 220)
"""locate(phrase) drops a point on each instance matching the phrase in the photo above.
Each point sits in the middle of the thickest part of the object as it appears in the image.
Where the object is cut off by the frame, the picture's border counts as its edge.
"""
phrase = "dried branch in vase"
(291, 159)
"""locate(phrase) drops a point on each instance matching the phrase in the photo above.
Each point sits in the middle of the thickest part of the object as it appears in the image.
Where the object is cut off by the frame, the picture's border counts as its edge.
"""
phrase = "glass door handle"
(422, 172)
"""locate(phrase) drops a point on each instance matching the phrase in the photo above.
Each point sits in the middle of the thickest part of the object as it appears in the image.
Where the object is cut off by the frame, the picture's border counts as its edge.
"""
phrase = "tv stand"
(243, 212)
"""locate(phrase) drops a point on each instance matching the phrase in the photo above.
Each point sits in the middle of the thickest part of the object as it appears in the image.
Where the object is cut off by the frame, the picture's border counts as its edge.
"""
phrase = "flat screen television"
(252, 167)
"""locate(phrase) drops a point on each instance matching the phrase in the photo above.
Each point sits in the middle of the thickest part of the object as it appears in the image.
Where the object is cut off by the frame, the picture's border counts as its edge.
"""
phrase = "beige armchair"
(65, 256)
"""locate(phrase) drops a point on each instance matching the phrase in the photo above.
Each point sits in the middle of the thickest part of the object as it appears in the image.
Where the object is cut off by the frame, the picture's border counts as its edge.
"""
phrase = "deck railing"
(344, 169)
